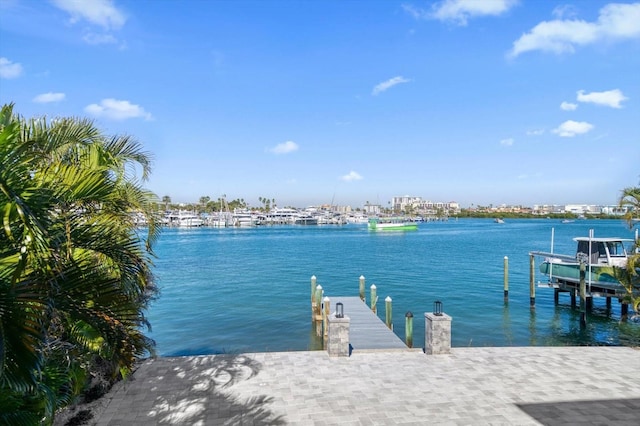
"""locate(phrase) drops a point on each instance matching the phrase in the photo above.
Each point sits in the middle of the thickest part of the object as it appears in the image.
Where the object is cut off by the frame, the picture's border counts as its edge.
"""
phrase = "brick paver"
(471, 386)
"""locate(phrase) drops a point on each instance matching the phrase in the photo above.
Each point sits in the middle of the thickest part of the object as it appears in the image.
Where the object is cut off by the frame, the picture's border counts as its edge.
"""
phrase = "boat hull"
(601, 276)
(392, 226)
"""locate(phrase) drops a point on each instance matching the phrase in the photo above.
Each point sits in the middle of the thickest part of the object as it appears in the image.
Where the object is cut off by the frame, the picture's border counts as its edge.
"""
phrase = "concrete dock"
(470, 386)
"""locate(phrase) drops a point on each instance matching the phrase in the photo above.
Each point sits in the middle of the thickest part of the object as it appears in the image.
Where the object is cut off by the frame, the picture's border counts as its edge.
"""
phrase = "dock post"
(573, 298)
(318, 302)
(338, 340)
(608, 303)
(583, 297)
(624, 311)
(388, 312)
(556, 296)
(437, 339)
(362, 296)
(374, 298)
(506, 278)
(317, 318)
(408, 329)
(532, 282)
(325, 317)
(313, 298)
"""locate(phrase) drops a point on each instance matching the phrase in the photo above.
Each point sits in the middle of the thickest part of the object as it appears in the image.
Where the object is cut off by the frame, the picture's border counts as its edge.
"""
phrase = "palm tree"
(630, 198)
(75, 276)
(166, 200)
(204, 200)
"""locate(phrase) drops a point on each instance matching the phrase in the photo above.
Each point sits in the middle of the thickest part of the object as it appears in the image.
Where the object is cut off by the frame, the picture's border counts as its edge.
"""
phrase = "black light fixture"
(339, 310)
(437, 308)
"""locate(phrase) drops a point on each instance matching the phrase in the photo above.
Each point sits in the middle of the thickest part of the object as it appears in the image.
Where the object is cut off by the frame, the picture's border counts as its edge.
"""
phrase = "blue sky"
(311, 102)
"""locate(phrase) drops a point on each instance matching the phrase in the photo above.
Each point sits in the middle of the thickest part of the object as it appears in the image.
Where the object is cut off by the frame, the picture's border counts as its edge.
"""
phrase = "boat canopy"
(598, 248)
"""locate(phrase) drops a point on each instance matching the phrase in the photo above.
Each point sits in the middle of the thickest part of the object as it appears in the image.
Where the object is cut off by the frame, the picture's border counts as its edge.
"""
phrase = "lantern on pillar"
(437, 308)
(339, 310)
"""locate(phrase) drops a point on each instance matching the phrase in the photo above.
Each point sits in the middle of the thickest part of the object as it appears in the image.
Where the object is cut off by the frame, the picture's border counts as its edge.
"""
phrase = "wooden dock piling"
(506, 278)
(374, 298)
(388, 312)
(532, 282)
(583, 297)
(362, 295)
(408, 329)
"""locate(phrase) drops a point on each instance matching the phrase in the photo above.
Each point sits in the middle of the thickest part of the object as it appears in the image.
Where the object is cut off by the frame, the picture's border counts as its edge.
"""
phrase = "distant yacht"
(184, 219)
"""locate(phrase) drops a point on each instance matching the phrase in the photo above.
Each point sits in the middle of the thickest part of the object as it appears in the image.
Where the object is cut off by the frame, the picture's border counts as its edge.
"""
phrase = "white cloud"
(284, 147)
(459, 11)
(568, 106)
(97, 12)
(610, 98)
(93, 38)
(507, 142)
(535, 132)
(117, 110)
(46, 98)
(565, 11)
(386, 85)
(615, 22)
(351, 177)
(570, 128)
(9, 69)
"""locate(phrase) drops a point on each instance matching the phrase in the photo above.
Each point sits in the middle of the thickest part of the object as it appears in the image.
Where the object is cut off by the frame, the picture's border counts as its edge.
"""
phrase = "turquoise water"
(237, 290)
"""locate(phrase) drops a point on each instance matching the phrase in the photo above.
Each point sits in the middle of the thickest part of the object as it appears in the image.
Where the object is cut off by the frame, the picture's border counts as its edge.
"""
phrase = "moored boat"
(391, 224)
(184, 219)
(603, 259)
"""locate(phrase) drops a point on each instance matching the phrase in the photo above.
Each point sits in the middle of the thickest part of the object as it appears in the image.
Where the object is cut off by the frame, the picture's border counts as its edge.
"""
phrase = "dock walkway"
(366, 330)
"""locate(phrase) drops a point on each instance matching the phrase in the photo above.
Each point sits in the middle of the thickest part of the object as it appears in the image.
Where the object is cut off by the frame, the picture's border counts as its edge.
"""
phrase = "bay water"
(232, 290)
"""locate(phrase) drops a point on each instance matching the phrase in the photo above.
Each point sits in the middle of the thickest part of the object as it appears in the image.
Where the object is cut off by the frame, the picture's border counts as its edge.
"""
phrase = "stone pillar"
(338, 341)
(437, 334)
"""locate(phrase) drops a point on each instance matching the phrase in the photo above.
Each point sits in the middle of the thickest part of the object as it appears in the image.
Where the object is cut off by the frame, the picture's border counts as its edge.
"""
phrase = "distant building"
(418, 205)
(579, 209)
(372, 209)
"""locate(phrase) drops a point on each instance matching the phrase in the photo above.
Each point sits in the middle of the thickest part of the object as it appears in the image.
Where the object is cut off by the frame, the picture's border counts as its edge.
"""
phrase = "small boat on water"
(603, 258)
(498, 220)
(391, 224)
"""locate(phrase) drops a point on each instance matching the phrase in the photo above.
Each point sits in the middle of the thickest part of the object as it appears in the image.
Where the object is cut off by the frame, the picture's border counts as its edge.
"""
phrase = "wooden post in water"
(313, 298)
(317, 314)
(573, 298)
(506, 279)
(374, 298)
(325, 317)
(624, 311)
(408, 329)
(388, 312)
(583, 297)
(318, 301)
(532, 282)
(362, 296)
(608, 303)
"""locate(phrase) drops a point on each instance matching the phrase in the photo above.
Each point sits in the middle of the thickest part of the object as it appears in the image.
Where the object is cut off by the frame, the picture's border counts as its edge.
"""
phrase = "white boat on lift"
(603, 260)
